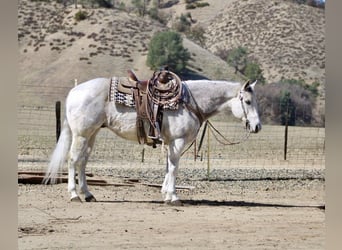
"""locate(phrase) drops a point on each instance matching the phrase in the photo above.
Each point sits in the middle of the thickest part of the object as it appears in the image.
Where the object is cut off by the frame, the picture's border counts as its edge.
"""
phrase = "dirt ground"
(238, 209)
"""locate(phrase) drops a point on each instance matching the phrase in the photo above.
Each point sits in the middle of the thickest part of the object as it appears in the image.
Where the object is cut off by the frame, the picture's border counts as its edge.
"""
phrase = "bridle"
(244, 109)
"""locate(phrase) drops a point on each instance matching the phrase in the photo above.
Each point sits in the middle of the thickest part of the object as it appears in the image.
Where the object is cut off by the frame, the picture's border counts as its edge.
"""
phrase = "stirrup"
(157, 138)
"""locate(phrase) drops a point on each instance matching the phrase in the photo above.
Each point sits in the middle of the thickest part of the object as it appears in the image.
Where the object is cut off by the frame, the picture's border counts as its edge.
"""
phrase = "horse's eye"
(248, 102)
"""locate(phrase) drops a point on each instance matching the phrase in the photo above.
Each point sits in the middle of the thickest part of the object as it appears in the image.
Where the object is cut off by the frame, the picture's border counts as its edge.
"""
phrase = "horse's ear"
(246, 85)
(253, 84)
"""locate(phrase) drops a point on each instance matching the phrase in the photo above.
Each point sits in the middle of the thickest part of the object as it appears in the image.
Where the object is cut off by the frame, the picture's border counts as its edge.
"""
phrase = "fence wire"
(305, 145)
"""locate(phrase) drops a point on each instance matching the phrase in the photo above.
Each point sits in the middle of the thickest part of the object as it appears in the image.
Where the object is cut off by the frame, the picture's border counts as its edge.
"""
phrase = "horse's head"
(244, 106)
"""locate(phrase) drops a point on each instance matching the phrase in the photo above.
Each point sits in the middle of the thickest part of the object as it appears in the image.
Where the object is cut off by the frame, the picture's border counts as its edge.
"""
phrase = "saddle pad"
(115, 95)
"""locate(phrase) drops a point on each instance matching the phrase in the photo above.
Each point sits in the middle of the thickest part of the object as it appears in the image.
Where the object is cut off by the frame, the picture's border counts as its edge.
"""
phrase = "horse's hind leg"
(78, 159)
(81, 171)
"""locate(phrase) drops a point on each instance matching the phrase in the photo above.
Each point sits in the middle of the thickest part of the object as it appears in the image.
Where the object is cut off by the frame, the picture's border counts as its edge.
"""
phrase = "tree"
(287, 109)
(254, 72)
(237, 58)
(166, 48)
(140, 5)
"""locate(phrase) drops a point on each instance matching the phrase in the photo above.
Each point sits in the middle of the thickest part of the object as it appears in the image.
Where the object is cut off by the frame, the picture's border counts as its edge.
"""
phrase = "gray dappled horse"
(88, 109)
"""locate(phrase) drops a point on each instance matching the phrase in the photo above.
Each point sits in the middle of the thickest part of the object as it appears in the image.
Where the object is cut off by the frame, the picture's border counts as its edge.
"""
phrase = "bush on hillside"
(193, 4)
(81, 15)
(196, 34)
(140, 6)
(237, 58)
(253, 72)
(183, 23)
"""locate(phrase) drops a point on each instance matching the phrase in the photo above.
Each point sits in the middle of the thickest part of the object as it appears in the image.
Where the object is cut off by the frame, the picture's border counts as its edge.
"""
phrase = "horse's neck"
(212, 96)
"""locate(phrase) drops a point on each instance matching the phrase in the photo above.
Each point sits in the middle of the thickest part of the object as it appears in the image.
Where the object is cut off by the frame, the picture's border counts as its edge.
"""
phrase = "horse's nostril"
(257, 128)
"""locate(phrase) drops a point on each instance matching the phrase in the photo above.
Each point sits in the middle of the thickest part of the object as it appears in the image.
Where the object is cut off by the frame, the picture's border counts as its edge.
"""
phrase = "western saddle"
(163, 91)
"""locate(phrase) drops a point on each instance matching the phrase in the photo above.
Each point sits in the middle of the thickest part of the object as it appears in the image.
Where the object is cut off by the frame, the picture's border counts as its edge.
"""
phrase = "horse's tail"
(59, 155)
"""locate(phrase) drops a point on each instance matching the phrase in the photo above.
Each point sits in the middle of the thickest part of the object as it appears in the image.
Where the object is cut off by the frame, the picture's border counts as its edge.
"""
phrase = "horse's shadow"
(215, 203)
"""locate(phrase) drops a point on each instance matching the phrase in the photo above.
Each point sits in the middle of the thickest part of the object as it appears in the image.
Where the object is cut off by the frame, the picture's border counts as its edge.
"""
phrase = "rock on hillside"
(287, 39)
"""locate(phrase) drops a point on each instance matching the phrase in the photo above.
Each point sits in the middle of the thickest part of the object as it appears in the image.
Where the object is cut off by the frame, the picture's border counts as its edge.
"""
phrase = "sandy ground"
(263, 210)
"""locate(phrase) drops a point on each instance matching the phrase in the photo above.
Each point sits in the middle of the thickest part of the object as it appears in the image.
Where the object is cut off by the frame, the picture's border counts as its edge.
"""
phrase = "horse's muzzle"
(257, 128)
(252, 129)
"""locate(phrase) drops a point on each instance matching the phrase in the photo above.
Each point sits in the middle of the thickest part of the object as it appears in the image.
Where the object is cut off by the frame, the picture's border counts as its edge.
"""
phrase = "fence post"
(208, 156)
(143, 155)
(58, 119)
(286, 129)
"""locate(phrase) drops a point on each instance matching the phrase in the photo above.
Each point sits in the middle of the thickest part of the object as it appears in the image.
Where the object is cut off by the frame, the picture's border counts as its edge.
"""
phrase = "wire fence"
(305, 145)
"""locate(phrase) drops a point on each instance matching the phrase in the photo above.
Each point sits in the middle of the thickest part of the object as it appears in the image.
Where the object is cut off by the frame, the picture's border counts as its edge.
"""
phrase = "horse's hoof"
(177, 203)
(76, 199)
(90, 199)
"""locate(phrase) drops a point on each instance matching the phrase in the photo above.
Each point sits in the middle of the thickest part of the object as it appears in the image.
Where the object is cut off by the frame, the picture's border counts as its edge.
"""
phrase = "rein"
(222, 140)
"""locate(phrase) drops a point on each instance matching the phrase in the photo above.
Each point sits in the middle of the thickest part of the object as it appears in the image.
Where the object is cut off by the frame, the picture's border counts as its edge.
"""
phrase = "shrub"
(190, 6)
(237, 58)
(81, 15)
(202, 4)
(193, 4)
(196, 34)
(155, 14)
(183, 23)
(313, 88)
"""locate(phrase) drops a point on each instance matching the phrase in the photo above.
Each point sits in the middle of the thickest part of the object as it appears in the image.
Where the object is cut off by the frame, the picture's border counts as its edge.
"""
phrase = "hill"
(54, 49)
(287, 39)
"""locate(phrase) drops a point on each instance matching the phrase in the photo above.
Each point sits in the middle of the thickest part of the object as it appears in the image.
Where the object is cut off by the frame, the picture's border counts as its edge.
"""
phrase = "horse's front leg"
(169, 184)
(169, 187)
